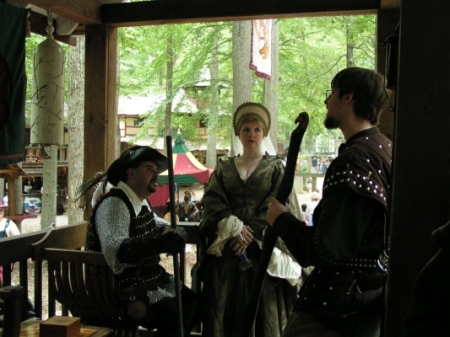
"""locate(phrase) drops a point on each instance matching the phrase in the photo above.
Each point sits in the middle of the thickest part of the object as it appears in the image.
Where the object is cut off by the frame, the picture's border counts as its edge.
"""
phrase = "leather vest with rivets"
(364, 165)
(148, 270)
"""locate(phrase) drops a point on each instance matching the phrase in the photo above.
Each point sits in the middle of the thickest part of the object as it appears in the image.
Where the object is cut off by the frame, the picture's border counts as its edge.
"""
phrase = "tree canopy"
(312, 51)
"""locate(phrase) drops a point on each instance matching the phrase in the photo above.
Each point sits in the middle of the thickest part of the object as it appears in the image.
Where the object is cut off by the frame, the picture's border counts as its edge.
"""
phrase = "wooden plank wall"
(421, 179)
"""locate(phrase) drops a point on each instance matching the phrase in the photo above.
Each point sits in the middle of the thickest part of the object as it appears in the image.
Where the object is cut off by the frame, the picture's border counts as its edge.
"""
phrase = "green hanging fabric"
(12, 83)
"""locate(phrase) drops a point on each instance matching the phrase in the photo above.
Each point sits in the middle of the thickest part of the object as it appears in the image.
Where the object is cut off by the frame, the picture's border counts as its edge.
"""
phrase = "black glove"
(172, 242)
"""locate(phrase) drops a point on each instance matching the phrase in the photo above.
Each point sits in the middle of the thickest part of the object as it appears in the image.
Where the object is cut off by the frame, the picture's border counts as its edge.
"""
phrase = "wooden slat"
(188, 11)
(85, 12)
(55, 254)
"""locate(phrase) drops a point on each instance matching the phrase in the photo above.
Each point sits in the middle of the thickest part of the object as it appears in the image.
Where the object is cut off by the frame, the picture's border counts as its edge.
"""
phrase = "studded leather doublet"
(363, 164)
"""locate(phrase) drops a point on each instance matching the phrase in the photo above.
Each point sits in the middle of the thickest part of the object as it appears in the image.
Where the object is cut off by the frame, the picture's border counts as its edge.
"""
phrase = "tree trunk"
(169, 88)
(211, 153)
(50, 177)
(271, 86)
(18, 196)
(350, 42)
(242, 76)
(76, 129)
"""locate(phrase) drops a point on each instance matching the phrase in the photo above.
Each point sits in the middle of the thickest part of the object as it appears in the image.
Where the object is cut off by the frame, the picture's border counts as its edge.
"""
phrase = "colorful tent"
(187, 169)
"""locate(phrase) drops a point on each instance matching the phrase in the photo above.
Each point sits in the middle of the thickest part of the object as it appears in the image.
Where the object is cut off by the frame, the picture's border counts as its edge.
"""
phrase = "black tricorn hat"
(133, 157)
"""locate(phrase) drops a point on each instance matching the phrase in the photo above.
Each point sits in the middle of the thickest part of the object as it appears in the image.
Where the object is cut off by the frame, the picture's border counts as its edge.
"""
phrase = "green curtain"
(13, 23)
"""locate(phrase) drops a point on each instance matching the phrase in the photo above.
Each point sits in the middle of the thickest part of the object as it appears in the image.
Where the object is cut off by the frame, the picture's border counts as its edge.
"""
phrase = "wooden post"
(100, 130)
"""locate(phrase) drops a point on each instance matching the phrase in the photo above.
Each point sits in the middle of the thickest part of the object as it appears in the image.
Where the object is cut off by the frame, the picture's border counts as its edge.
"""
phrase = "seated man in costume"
(124, 227)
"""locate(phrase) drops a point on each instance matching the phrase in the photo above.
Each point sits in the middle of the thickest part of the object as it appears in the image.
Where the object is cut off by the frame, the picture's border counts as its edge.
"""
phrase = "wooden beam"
(38, 25)
(100, 101)
(390, 4)
(86, 12)
(189, 11)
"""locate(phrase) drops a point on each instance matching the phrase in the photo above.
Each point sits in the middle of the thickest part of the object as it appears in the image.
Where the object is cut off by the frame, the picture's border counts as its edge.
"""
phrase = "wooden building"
(421, 173)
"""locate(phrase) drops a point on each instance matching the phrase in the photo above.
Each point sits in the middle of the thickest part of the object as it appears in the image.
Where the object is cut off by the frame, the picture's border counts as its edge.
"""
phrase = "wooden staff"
(270, 237)
(173, 223)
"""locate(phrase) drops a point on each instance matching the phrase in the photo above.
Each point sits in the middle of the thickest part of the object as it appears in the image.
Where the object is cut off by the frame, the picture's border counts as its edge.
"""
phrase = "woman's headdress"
(251, 110)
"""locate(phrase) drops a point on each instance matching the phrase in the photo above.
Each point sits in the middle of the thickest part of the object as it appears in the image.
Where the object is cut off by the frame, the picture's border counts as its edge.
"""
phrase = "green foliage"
(312, 51)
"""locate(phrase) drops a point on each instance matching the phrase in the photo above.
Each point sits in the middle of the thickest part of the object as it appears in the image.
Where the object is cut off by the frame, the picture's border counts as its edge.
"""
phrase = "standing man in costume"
(131, 237)
(342, 297)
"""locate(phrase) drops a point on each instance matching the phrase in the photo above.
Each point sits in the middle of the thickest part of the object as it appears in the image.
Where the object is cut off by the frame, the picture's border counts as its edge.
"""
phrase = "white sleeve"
(12, 229)
(227, 228)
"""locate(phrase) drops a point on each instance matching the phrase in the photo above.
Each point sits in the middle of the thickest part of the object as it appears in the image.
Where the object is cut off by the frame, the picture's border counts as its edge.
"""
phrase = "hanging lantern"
(47, 105)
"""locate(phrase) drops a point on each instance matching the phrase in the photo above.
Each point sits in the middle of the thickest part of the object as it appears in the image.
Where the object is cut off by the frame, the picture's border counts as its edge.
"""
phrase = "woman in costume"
(235, 206)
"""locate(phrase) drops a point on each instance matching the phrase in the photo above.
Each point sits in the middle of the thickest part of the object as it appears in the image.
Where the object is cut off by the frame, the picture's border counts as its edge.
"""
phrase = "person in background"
(7, 228)
(200, 207)
(125, 229)
(343, 295)
(27, 187)
(304, 216)
(315, 197)
(187, 210)
(235, 206)
(314, 164)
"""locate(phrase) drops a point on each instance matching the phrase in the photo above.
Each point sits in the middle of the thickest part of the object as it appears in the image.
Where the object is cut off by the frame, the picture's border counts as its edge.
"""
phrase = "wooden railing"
(301, 181)
(33, 154)
(18, 249)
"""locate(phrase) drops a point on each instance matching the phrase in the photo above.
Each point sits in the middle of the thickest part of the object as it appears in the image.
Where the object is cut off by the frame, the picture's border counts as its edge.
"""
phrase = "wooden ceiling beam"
(390, 4)
(190, 11)
(86, 12)
(38, 25)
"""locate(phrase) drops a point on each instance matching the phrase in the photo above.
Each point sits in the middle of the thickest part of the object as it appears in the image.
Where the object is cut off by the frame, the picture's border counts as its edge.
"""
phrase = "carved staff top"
(270, 236)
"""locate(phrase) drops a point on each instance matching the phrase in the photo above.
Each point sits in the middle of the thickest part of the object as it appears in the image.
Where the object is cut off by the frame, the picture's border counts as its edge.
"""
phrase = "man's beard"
(331, 123)
(151, 188)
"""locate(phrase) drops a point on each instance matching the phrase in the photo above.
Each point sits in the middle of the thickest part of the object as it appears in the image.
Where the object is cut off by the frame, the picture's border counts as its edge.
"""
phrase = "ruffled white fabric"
(227, 228)
(283, 266)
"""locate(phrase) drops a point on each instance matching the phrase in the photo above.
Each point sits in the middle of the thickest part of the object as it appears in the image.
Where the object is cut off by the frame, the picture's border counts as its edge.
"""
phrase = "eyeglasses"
(329, 92)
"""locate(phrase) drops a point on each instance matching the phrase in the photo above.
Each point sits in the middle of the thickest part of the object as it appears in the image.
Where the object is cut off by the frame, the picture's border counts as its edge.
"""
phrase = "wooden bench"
(81, 281)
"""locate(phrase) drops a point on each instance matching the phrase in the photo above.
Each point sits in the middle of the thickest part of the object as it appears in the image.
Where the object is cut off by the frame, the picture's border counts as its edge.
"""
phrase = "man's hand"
(275, 209)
